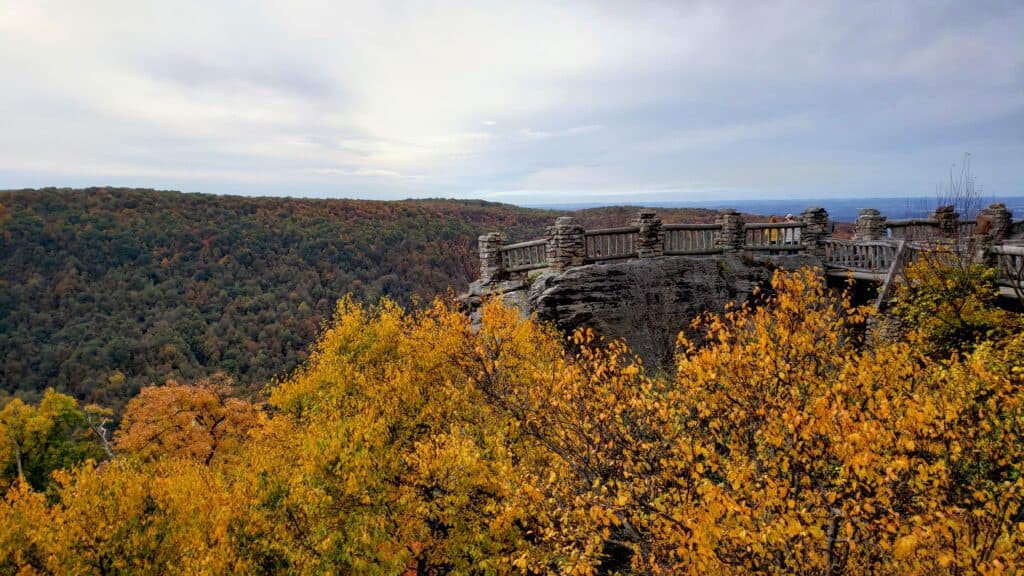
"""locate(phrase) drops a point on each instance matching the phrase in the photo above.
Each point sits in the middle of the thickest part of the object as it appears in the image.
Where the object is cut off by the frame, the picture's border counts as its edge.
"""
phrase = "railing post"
(566, 245)
(815, 232)
(731, 237)
(870, 225)
(949, 221)
(490, 256)
(650, 239)
(994, 223)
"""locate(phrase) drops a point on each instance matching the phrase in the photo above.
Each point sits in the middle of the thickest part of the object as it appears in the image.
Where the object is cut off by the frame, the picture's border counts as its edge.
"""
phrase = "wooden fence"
(683, 239)
(524, 256)
(611, 243)
(773, 236)
(912, 229)
(860, 258)
(1011, 266)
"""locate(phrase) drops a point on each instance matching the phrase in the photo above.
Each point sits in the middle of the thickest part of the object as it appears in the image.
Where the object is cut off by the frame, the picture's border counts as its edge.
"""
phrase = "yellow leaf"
(905, 546)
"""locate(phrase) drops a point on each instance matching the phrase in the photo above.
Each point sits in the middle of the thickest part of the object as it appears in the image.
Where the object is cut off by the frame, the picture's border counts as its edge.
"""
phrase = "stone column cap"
(565, 221)
(869, 212)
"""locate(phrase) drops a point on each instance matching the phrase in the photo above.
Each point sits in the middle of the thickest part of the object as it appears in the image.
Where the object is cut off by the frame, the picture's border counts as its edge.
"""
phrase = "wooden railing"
(682, 239)
(1010, 260)
(912, 228)
(524, 256)
(882, 260)
(938, 252)
(860, 256)
(776, 236)
(569, 244)
(611, 243)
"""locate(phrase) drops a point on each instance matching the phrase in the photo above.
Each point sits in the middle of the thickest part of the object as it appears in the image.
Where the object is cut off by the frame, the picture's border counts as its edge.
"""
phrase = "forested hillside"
(103, 291)
(414, 443)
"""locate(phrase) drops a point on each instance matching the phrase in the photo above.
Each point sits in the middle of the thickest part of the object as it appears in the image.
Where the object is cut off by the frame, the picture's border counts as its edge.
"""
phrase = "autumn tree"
(416, 442)
(124, 518)
(36, 440)
(381, 458)
(201, 421)
(782, 446)
(948, 305)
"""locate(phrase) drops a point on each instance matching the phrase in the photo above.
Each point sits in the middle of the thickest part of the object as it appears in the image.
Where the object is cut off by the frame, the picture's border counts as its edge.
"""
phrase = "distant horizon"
(621, 200)
(670, 203)
(842, 208)
(612, 200)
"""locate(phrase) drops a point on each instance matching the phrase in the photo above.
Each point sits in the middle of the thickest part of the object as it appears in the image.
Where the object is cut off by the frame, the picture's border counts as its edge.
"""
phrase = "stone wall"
(566, 244)
(995, 222)
(947, 221)
(650, 238)
(870, 225)
(816, 230)
(490, 257)
(731, 236)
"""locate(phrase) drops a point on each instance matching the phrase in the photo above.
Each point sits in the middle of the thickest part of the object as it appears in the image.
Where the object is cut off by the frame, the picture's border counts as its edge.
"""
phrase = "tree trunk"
(17, 460)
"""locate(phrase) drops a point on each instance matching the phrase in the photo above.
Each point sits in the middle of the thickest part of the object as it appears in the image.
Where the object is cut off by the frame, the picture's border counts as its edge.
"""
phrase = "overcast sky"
(513, 100)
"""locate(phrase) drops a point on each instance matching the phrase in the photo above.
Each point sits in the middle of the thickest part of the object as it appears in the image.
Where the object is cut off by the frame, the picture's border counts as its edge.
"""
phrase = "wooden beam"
(897, 263)
(1008, 291)
(856, 274)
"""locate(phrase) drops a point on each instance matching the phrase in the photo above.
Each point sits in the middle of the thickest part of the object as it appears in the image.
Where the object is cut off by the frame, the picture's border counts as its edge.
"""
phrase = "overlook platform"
(877, 252)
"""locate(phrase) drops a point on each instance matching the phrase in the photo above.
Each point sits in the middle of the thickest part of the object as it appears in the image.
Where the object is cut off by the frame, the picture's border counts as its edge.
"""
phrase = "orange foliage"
(200, 422)
(414, 442)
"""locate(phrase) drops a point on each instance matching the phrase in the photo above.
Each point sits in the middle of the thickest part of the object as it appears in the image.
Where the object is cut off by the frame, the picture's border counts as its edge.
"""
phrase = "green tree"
(37, 440)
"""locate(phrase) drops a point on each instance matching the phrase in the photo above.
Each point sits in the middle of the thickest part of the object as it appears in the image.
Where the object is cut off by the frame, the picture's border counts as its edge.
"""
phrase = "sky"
(524, 102)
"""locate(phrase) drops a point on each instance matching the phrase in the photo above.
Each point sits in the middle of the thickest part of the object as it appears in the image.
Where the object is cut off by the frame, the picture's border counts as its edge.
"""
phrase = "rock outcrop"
(646, 302)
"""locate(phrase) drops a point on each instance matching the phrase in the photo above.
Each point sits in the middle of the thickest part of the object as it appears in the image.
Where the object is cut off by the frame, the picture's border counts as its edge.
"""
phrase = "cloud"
(547, 134)
(728, 134)
(359, 172)
(327, 98)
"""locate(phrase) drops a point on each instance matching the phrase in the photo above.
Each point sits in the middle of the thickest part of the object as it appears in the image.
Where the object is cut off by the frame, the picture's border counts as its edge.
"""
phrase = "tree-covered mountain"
(418, 443)
(103, 290)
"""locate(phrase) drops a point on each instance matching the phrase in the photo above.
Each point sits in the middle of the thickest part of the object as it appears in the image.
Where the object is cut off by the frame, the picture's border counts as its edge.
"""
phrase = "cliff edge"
(647, 302)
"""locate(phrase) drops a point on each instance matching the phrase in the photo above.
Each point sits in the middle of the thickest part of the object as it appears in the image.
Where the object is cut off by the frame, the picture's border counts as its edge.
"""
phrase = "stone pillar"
(650, 239)
(566, 245)
(870, 225)
(490, 256)
(815, 232)
(994, 223)
(731, 236)
(949, 221)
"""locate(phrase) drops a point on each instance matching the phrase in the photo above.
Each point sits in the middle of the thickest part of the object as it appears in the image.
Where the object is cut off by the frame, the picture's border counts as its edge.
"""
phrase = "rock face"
(646, 301)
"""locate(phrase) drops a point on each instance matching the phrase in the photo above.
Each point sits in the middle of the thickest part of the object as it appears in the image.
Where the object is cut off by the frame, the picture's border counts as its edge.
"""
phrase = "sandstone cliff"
(647, 301)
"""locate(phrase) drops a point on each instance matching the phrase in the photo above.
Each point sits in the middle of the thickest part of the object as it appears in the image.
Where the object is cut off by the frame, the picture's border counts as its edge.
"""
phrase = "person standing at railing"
(773, 233)
(792, 234)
